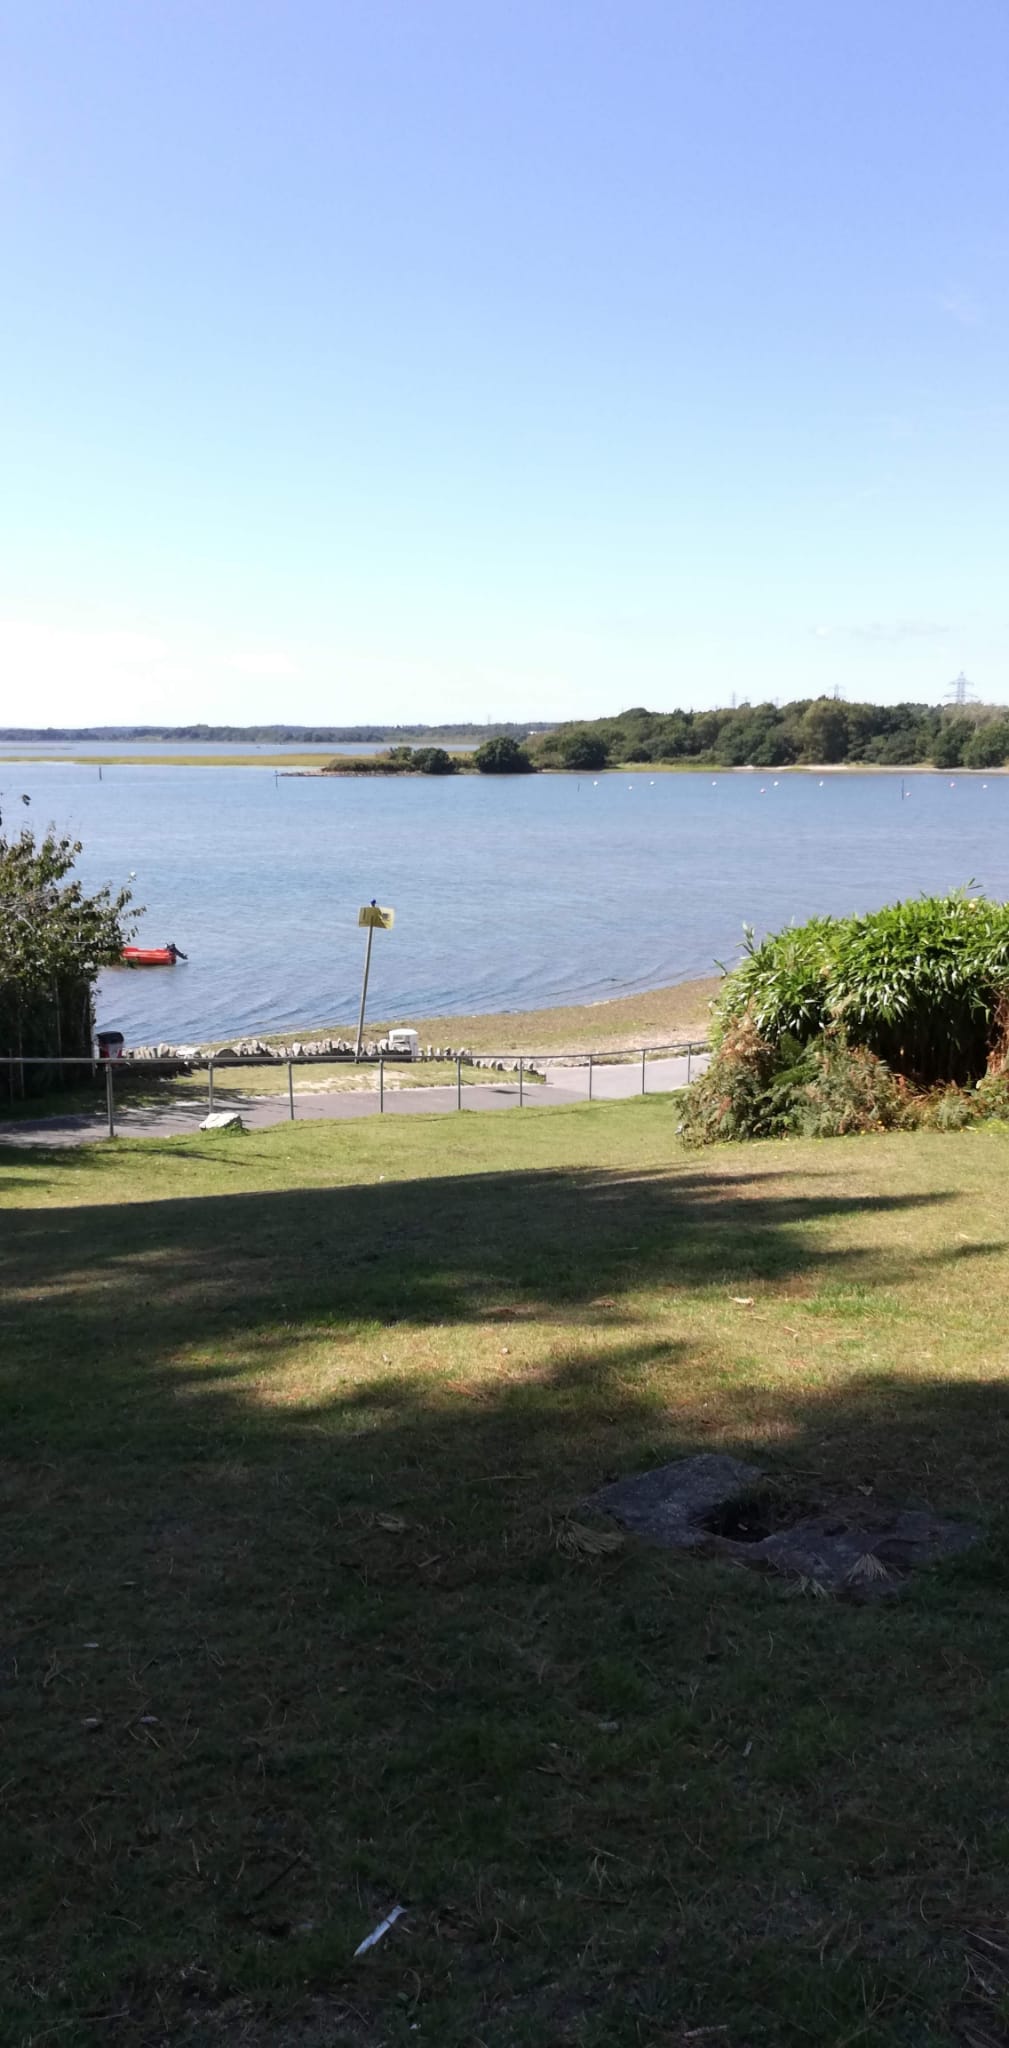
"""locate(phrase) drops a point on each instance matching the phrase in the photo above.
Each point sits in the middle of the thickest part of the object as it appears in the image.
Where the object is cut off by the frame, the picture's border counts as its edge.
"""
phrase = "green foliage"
(756, 1089)
(988, 746)
(502, 756)
(921, 984)
(825, 735)
(951, 742)
(434, 761)
(583, 750)
(53, 941)
(777, 736)
(847, 1089)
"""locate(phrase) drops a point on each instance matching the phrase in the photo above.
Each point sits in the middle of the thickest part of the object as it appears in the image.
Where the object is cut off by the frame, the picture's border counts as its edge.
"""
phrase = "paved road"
(561, 1084)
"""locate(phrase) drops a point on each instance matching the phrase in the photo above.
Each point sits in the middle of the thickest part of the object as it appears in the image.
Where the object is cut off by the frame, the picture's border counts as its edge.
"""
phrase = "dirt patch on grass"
(720, 1507)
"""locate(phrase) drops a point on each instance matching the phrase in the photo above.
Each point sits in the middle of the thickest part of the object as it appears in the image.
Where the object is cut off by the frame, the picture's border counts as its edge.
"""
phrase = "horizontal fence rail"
(498, 1072)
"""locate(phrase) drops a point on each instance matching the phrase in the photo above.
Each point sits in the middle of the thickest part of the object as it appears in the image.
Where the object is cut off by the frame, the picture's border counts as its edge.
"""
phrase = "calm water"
(61, 750)
(509, 893)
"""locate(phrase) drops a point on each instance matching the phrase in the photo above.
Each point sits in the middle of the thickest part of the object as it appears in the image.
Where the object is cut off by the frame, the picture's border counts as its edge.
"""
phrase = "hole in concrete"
(752, 1517)
(718, 1506)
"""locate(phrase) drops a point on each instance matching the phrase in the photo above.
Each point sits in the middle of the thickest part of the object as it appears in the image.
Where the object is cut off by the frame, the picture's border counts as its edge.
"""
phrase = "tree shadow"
(163, 1274)
(288, 1640)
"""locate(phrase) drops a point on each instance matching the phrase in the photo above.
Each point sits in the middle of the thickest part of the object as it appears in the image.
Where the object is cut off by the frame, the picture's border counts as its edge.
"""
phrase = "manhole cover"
(721, 1507)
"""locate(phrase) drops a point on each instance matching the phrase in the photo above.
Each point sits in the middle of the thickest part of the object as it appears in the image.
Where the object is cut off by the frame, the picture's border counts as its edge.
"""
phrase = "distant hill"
(251, 735)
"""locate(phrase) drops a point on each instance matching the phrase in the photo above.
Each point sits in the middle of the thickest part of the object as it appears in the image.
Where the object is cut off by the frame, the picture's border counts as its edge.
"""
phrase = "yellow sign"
(373, 914)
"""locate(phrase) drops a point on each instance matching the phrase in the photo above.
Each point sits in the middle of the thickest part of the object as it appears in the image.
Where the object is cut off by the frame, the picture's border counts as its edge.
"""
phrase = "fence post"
(210, 1086)
(381, 1084)
(590, 1077)
(521, 1082)
(458, 1084)
(109, 1102)
(643, 1058)
(290, 1086)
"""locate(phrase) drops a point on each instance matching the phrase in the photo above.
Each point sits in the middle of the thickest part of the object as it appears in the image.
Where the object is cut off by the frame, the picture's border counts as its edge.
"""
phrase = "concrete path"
(560, 1085)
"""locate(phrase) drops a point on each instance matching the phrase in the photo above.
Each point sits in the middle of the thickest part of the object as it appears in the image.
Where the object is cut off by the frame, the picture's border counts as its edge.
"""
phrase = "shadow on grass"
(130, 1287)
(281, 1651)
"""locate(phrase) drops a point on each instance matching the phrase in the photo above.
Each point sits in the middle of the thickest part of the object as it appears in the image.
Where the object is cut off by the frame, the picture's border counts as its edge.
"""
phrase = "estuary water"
(509, 892)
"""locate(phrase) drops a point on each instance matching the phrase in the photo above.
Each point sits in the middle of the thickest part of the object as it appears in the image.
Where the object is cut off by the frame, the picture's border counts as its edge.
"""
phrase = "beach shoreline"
(659, 1017)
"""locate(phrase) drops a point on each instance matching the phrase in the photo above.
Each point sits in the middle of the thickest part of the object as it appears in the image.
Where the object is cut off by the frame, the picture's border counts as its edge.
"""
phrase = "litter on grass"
(377, 1932)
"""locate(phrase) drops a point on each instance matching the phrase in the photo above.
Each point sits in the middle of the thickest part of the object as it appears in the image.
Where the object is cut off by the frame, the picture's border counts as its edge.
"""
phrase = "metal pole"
(364, 992)
(458, 1084)
(210, 1088)
(689, 1051)
(643, 1056)
(521, 1079)
(590, 1077)
(109, 1100)
(290, 1086)
(381, 1084)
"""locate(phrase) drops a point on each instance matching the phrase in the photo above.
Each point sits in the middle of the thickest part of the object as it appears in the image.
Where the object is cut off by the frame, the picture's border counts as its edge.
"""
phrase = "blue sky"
(499, 358)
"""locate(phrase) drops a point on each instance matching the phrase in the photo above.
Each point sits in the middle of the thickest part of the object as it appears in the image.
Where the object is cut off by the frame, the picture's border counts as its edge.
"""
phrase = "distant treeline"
(812, 730)
(324, 735)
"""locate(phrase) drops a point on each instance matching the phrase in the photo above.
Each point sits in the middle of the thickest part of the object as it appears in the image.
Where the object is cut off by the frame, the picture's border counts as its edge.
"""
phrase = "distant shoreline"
(302, 765)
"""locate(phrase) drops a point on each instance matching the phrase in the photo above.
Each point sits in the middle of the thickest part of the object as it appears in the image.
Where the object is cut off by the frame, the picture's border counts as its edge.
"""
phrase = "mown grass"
(296, 1423)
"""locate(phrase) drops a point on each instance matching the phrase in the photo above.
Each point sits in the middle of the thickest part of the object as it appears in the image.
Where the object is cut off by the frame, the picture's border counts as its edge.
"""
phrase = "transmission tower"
(960, 691)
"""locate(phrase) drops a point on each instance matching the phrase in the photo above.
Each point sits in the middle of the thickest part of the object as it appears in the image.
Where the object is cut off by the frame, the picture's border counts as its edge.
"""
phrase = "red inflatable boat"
(151, 956)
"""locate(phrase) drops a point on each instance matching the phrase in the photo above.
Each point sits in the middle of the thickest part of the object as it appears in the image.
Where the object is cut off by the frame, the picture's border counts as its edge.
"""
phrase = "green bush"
(920, 984)
(502, 756)
(895, 1020)
(54, 940)
(827, 1089)
(583, 750)
(848, 1090)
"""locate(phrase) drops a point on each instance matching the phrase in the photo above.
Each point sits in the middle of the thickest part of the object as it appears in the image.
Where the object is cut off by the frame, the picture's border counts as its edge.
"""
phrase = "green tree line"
(811, 731)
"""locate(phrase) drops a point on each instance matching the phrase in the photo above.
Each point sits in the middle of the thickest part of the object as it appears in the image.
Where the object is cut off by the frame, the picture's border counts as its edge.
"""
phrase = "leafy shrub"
(54, 939)
(502, 756)
(849, 1090)
(753, 1089)
(920, 984)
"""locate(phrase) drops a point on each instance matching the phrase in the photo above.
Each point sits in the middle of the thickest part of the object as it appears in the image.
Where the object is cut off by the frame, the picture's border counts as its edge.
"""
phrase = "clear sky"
(405, 359)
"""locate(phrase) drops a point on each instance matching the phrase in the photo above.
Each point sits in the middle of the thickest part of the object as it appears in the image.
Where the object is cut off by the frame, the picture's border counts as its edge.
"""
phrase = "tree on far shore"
(502, 756)
(584, 750)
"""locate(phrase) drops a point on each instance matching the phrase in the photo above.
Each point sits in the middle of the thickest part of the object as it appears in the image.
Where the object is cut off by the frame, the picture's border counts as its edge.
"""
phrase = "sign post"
(374, 918)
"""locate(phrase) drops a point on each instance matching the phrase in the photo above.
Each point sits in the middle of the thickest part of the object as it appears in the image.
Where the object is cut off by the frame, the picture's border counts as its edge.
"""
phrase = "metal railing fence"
(487, 1070)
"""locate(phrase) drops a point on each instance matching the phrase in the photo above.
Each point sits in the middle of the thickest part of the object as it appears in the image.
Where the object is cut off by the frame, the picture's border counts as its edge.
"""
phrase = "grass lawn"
(295, 1627)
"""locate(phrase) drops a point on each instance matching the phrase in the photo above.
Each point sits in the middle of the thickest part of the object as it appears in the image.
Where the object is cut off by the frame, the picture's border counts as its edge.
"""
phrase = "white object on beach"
(403, 1039)
(377, 1932)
